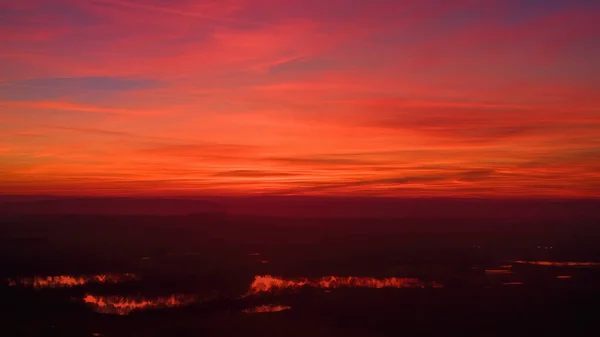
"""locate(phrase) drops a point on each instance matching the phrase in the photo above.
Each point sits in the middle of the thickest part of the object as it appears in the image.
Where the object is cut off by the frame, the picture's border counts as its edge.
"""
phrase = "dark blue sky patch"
(89, 83)
(72, 88)
(51, 13)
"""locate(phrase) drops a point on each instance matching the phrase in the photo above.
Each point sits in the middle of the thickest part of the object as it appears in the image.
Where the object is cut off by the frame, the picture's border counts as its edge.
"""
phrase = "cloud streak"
(385, 98)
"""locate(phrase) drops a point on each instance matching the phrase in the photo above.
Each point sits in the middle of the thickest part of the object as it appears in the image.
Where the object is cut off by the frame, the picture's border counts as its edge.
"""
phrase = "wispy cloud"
(206, 6)
(301, 96)
(253, 174)
(67, 106)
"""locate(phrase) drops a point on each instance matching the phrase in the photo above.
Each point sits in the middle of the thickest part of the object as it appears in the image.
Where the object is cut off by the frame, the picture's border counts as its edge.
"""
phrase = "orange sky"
(342, 97)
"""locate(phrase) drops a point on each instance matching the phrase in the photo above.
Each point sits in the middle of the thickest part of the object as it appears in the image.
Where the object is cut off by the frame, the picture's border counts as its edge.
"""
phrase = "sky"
(395, 98)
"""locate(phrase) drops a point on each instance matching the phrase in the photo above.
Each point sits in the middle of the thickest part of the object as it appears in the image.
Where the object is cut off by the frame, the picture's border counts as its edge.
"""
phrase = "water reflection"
(560, 263)
(67, 281)
(268, 283)
(118, 305)
(267, 308)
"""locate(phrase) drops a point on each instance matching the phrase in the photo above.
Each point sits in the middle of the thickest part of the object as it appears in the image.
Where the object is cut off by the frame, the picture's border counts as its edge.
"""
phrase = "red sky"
(340, 97)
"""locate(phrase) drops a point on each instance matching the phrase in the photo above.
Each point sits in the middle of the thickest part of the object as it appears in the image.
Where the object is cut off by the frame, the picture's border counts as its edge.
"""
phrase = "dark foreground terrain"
(231, 275)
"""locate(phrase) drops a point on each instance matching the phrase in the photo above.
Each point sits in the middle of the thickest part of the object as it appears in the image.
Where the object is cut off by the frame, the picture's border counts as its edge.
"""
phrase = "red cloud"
(367, 98)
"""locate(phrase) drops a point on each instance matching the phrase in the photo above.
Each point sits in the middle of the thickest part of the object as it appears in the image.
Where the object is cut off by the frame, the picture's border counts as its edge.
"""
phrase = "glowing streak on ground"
(267, 308)
(512, 283)
(560, 263)
(268, 283)
(497, 271)
(67, 281)
(564, 277)
(117, 305)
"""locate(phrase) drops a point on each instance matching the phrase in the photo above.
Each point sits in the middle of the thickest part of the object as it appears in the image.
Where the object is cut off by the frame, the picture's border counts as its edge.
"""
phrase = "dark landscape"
(231, 274)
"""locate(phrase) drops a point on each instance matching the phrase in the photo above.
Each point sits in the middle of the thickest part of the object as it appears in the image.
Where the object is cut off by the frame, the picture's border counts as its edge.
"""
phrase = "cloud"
(390, 183)
(96, 131)
(42, 89)
(301, 96)
(320, 160)
(201, 149)
(67, 106)
(87, 83)
(206, 6)
(475, 175)
(253, 174)
(508, 34)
